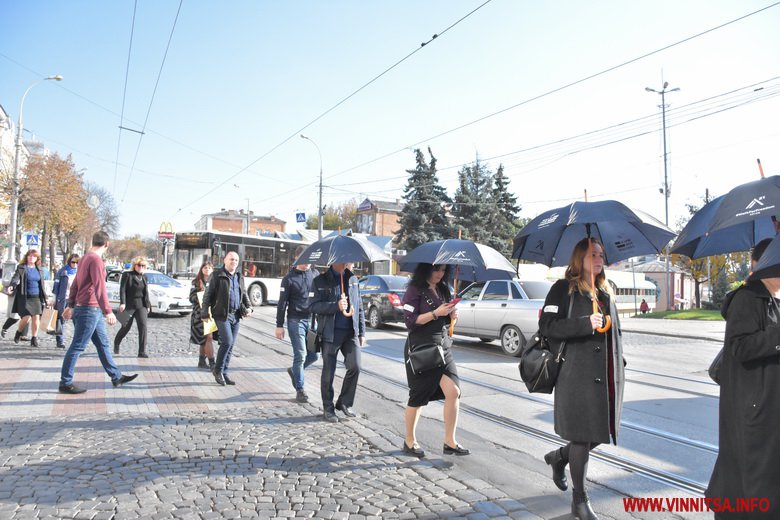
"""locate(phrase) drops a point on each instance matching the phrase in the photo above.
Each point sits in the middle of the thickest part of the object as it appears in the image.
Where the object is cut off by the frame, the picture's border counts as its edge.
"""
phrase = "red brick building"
(378, 217)
(237, 221)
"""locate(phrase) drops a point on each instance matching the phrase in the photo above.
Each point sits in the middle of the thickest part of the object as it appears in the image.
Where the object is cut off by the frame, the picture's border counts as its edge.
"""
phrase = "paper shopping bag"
(49, 319)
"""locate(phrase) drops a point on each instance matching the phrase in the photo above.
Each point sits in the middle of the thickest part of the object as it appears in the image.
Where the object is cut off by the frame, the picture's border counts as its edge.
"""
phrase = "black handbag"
(313, 337)
(539, 366)
(714, 370)
(426, 357)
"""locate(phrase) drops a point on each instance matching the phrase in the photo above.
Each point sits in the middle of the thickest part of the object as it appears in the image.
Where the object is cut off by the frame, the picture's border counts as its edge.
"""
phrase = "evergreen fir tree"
(424, 216)
(473, 208)
(506, 210)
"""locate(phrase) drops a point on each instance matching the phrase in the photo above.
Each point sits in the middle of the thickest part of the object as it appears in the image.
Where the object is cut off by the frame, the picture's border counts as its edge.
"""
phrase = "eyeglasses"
(74, 262)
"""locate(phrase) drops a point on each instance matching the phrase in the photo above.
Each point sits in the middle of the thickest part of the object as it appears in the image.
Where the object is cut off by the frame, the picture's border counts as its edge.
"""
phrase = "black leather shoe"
(301, 396)
(219, 379)
(457, 450)
(124, 379)
(346, 410)
(558, 463)
(71, 389)
(580, 507)
(34, 342)
(413, 451)
(60, 345)
(202, 362)
(3, 332)
(228, 381)
(143, 355)
(17, 337)
(330, 417)
(292, 378)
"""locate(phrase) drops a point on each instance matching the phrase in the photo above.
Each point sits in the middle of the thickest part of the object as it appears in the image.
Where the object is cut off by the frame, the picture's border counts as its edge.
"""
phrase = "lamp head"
(648, 89)
(55, 78)
(666, 84)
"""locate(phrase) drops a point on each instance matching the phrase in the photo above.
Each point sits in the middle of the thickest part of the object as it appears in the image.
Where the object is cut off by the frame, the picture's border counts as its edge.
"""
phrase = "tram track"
(664, 477)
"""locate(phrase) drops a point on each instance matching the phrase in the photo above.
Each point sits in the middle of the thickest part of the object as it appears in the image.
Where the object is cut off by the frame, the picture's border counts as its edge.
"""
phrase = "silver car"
(502, 309)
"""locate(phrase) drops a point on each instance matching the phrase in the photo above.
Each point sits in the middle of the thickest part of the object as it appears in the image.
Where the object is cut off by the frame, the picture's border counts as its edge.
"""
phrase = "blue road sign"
(300, 217)
(32, 240)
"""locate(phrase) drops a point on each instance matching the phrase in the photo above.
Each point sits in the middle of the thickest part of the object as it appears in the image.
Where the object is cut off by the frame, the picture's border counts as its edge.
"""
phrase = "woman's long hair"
(71, 257)
(200, 279)
(420, 279)
(575, 273)
(32, 252)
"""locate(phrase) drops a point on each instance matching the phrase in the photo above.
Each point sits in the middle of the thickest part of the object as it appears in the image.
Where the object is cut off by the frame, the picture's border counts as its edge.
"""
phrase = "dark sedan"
(382, 295)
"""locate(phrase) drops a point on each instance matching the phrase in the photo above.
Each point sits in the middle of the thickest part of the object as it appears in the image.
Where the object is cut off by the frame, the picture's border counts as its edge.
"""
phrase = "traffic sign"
(300, 217)
(32, 240)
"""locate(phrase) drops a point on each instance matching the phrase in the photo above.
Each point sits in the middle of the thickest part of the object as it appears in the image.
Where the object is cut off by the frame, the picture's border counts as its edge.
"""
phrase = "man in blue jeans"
(293, 296)
(226, 297)
(87, 304)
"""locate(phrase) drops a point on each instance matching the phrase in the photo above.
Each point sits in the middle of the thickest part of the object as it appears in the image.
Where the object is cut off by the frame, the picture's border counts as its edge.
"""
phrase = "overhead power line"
(124, 97)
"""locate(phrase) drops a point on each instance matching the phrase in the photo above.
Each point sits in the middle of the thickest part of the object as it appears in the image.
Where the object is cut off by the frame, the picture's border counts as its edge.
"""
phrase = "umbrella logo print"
(539, 245)
(549, 220)
(755, 202)
(460, 256)
(755, 207)
(315, 255)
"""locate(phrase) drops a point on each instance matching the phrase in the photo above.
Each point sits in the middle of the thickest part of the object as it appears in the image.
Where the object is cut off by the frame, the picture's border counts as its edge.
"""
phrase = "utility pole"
(662, 92)
(319, 208)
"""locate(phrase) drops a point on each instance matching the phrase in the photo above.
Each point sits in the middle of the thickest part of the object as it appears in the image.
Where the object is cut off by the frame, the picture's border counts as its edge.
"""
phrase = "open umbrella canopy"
(769, 264)
(697, 239)
(550, 238)
(733, 222)
(475, 262)
(337, 249)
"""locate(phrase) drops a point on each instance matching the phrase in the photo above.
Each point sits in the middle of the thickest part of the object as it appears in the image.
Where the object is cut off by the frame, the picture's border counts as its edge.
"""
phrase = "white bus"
(263, 260)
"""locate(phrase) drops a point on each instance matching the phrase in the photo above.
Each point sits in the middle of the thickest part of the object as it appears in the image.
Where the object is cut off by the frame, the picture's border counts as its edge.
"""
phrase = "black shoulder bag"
(538, 365)
(427, 356)
(313, 337)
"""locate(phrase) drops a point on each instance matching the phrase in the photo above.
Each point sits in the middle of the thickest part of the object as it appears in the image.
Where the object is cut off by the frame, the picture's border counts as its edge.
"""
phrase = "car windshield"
(396, 283)
(536, 290)
(161, 279)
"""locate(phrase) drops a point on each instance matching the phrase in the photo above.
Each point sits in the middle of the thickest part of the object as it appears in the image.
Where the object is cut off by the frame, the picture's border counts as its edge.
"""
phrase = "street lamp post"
(15, 188)
(319, 208)
(663, 92)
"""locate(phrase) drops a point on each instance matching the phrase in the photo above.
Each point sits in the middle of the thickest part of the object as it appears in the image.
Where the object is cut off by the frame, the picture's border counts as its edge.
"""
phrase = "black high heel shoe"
(457, 450)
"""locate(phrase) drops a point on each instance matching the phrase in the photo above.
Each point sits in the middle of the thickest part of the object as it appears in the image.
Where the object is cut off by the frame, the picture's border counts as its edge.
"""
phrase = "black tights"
(578, 454)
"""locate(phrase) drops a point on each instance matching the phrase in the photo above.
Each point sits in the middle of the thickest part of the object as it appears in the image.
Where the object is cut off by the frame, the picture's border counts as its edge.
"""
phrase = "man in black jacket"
(293, 296)
(339, 332)
(226, 297)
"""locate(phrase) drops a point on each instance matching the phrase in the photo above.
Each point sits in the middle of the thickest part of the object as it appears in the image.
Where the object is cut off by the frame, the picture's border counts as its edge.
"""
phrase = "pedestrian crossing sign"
(300, 217)
(32, 240)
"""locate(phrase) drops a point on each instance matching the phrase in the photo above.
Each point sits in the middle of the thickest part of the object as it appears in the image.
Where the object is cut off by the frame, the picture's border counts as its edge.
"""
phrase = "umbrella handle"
(350, 311)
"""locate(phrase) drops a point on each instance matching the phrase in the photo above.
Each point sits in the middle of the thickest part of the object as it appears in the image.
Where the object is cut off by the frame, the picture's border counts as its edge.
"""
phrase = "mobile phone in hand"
(455, 301)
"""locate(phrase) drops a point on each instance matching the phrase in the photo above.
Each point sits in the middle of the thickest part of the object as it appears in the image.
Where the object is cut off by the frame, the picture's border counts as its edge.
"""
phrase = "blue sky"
(242, 77)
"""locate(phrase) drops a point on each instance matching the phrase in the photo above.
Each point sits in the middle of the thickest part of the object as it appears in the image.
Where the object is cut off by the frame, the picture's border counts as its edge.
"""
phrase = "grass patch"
(690, 314)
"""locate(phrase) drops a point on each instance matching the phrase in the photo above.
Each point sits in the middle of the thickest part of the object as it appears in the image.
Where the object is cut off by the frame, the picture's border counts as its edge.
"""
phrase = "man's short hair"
(99, 239)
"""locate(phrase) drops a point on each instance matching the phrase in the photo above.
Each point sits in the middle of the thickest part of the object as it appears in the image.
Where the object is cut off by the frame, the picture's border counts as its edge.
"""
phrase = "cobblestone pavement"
(173, 444)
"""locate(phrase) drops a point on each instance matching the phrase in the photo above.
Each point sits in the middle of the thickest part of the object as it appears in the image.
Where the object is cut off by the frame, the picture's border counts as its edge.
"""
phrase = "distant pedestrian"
(30, 295)
(226, 297)
(589, 388)
(335, 295)
(62, 284)
(134, 303)
(293, 298)
(427, 314)
(88, 304)
(12, 317)
(643, 307)
(206, 341)
(748, 463)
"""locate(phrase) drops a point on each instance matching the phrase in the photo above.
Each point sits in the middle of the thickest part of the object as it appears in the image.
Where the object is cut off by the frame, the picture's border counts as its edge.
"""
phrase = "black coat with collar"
(217, 295)
(324, 303)
(748, 463)
(582, 408)
(131, 284)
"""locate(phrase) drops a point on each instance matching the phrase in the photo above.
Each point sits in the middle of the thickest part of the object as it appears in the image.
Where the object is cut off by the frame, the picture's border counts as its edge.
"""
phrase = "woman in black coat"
(589, 389)
(748, 463)
(206, 341)
(30, 295)
(134, 298)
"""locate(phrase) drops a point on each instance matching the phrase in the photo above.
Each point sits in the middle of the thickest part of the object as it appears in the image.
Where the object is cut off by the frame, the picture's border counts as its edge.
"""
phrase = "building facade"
(239, 221)
(378, 217)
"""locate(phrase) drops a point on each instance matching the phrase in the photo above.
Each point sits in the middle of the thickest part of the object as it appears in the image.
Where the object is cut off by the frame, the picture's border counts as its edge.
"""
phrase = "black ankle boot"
(580, 506)
(17, 336)
(202, 362)
(212, 362)
(33, 341)
(558, 463)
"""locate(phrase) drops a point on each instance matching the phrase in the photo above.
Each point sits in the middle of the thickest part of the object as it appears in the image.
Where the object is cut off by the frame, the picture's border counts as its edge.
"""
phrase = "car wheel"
(374, 321)
(256, 294)
(512, 340)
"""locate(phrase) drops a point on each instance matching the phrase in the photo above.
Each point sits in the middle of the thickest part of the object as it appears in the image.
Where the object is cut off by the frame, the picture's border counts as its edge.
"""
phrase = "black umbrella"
(733, 222)
(337, 249)
(550, 238)
(768, 266)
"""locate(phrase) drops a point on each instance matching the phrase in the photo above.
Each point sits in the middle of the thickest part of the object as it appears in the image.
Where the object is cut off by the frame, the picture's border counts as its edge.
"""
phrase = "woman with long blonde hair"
(134, 300)
(589, 388)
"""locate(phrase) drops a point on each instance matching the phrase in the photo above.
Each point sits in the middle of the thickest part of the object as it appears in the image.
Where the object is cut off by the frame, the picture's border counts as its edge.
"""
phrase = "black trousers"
(344, 340)
(139, 316)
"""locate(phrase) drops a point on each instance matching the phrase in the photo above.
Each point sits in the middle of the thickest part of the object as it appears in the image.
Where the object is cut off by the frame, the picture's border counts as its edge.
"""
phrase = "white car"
(165, 294)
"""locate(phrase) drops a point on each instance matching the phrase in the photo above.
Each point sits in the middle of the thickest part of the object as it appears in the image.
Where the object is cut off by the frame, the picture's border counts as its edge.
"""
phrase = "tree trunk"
(43, 244)
(697, 291)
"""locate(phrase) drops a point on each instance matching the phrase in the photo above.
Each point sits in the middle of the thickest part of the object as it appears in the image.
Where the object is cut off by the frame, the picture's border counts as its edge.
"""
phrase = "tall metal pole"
(247, 216)
(663, 92)
(15, 187)
(319, 208)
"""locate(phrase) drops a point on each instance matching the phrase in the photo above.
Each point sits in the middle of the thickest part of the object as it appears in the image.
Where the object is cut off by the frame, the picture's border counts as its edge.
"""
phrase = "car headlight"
(157, 292)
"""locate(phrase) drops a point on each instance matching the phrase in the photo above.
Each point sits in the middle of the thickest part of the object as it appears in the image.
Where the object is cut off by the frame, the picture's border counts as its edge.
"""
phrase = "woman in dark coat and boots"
(589, 389)
(62, 283)
(134, 297)
(748, 463)
(30, 295)
(427, 314)
(206, 341)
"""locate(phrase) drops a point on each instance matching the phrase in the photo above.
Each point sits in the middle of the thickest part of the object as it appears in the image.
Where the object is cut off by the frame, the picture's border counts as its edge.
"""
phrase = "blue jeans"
(88, 323)
(302, 358)
(228, 333)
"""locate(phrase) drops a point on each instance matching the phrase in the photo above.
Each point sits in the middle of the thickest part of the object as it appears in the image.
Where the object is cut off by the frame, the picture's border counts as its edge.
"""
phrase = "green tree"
(343, 216)
(424, 216)
(473, 206)
(504, 224)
